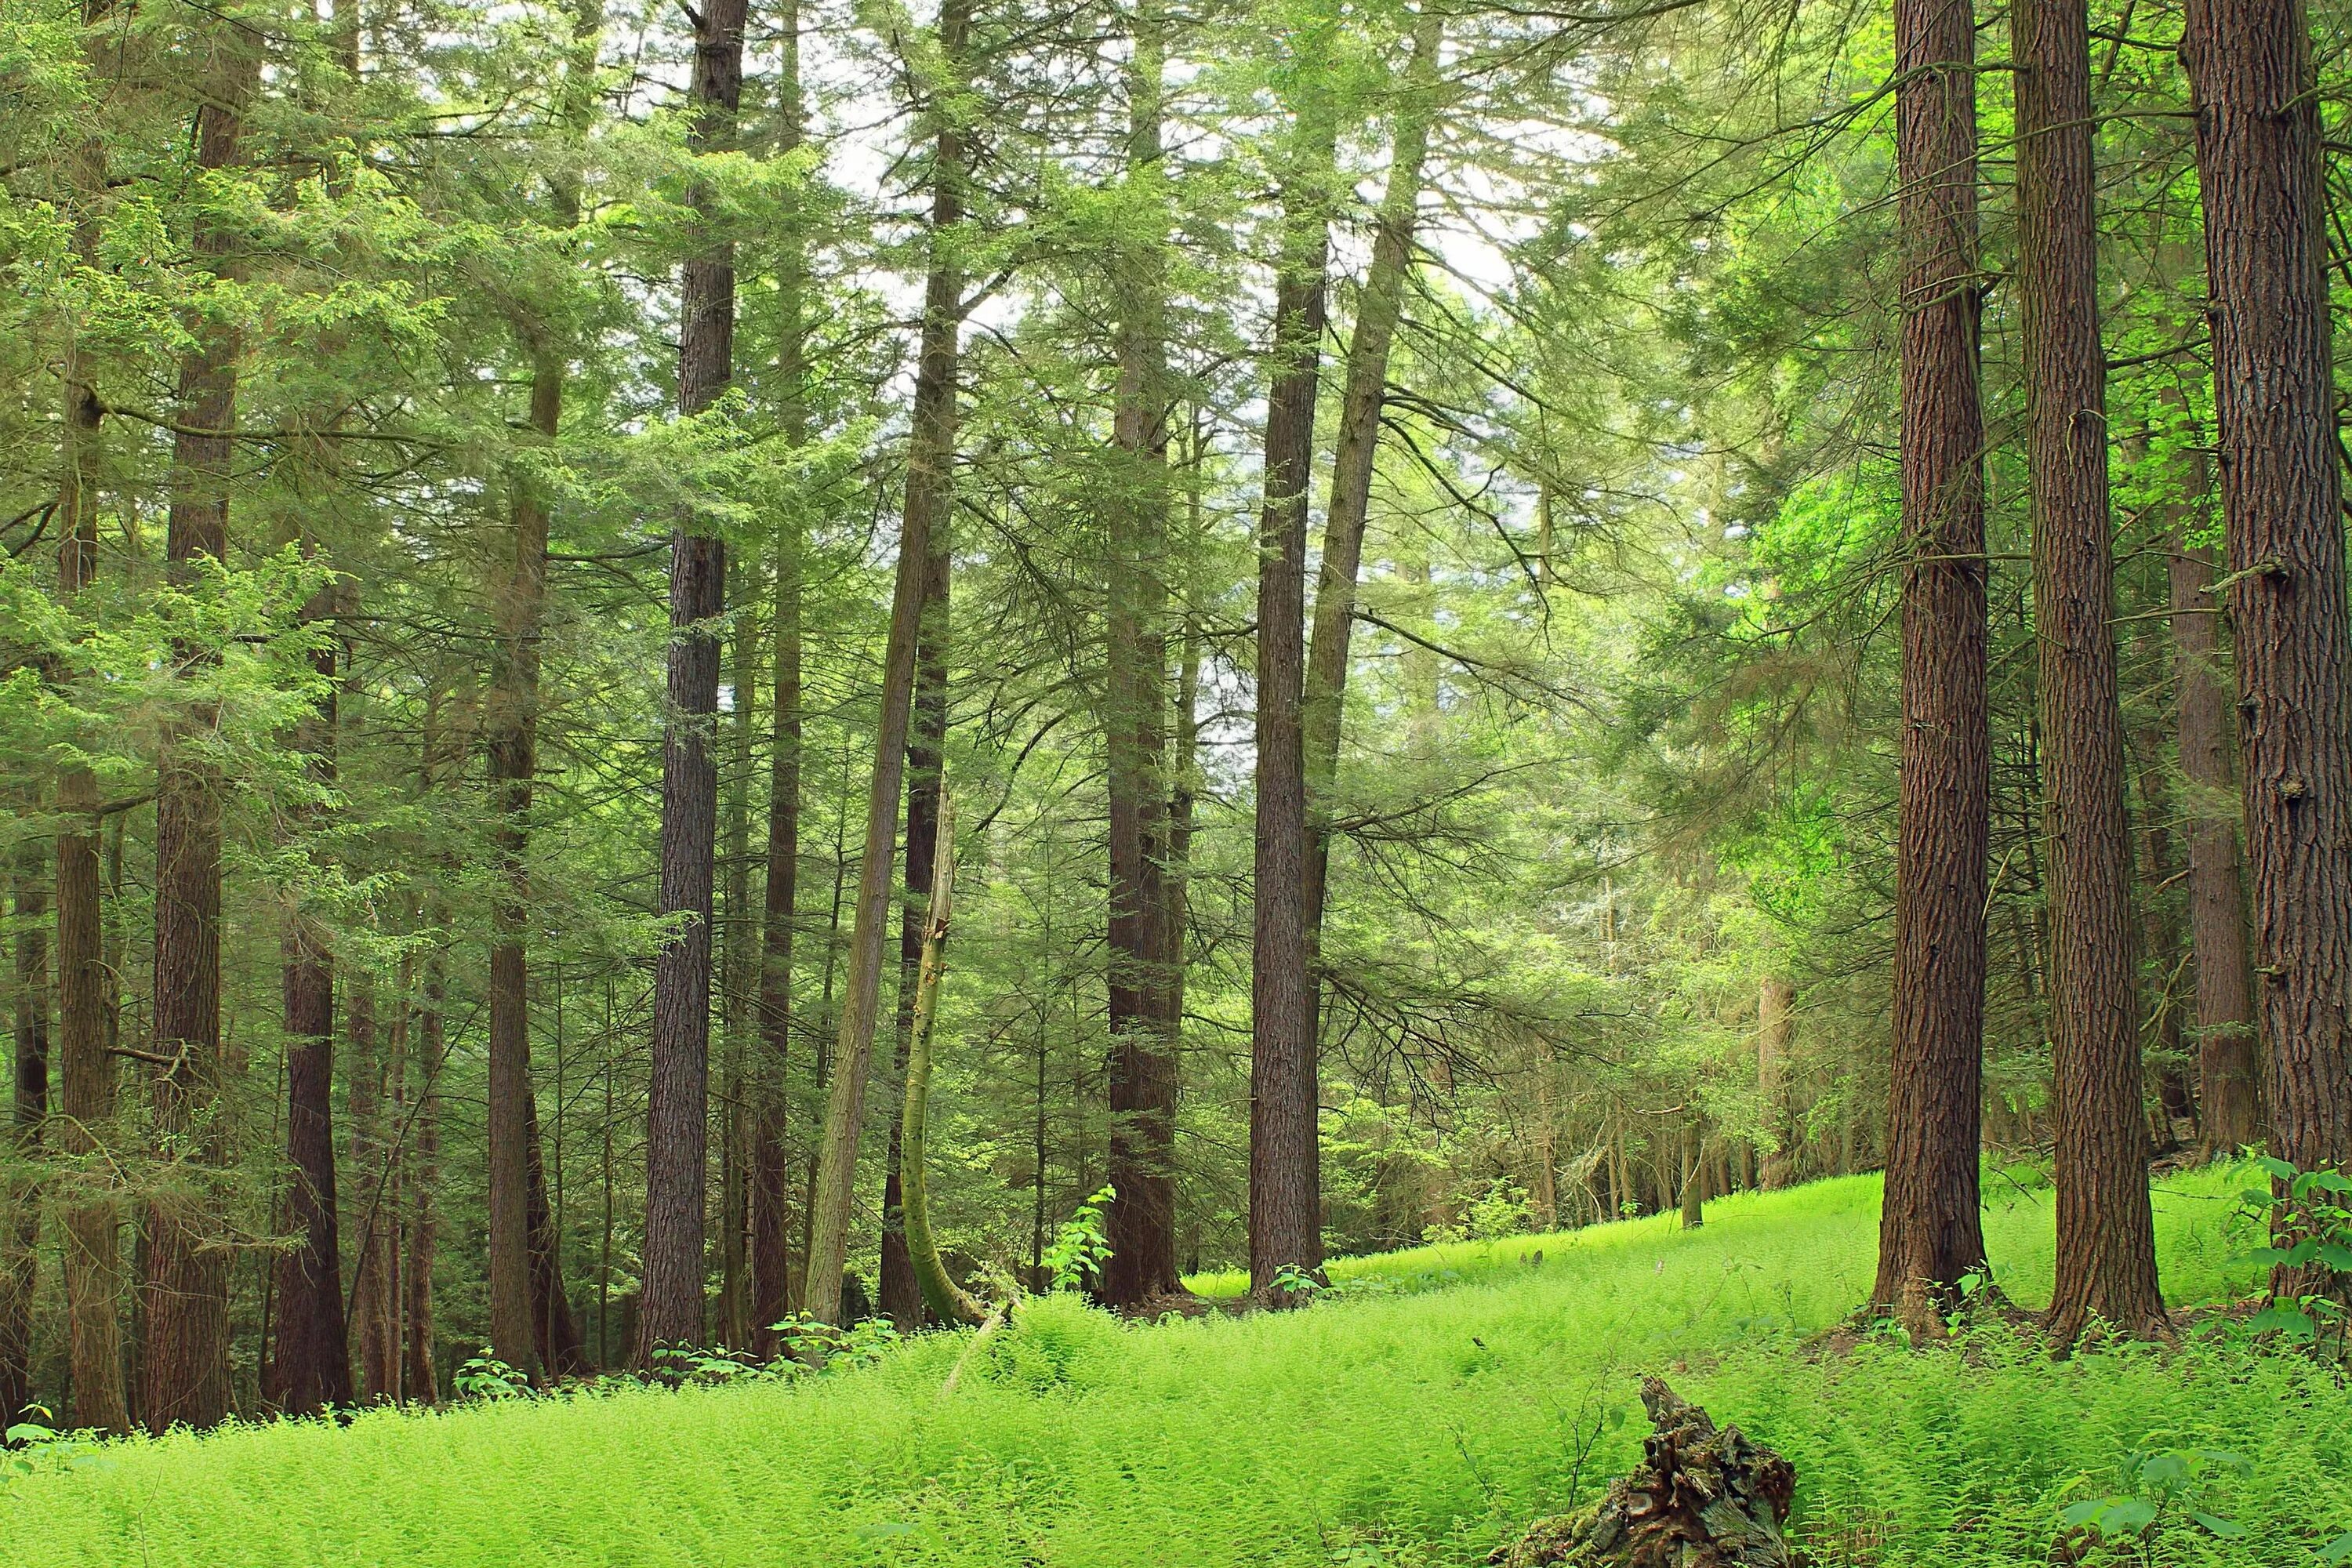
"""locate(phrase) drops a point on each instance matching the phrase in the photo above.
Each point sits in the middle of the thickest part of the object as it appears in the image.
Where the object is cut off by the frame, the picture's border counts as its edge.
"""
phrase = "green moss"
(1418, 1427)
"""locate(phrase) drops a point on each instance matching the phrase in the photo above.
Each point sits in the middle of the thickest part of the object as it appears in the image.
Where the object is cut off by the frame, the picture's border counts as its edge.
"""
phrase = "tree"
(677, 1114)
(186, 1287)
(931, 453)
(2258, 166)
(2107, 1231)
(1930, 1232)
(1286, 1206)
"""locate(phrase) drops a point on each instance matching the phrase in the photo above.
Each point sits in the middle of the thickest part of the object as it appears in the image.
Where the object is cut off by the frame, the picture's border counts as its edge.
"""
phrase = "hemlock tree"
(1930, 1232)
(2258, 166)
(2107, 1232)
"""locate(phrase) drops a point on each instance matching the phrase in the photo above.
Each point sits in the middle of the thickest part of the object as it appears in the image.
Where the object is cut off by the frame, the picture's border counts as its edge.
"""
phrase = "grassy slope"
(1412, 1427)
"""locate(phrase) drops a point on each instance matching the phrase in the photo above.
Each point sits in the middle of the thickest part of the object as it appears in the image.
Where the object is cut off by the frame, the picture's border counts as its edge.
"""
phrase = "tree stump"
(1703, 1497)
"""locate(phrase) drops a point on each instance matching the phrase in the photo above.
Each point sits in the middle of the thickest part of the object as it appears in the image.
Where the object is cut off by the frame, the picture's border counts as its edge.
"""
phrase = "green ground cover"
(1450, 1394)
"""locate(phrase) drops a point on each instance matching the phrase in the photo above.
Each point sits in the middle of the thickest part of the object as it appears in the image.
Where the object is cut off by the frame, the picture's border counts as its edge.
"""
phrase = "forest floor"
(1444, 1397)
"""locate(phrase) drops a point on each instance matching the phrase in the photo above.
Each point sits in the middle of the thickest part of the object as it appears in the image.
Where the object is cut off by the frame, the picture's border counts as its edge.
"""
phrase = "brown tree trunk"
(423, 1376)
(2107, 1231)
(512, 760)
(89, 1080)
(930, 456)
(1140, 1222)
(2227, 1079)
(1285, 1180)
(1776, 1033)
(2258, 166)
(900, 1294)
(678, 1106)
(29, 1113)
(375, 1286)
(739, 940)
(554, 1332)
(309, 1363)
(2160, 953)
(770, 1174)
(1378, 308)
(1931, 1232)
(185, 1293)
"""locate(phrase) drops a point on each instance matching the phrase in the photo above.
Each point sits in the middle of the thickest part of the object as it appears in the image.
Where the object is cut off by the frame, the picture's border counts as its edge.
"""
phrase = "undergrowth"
(1441, 1400)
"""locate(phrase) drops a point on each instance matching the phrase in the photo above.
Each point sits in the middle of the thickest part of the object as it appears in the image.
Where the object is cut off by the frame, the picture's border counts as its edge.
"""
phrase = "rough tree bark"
(422, 1372)
(2228, 1093)
(946, 1300)
(90, 1083)
(899, 1293)
(1931, 1232)
(310, 1365)
(2106, 1230)
(372, 1104)
(28, 1118)
(930, 456)
(678, 1106)
(770, 1169)
(2258, 166)
(1140, 1222)
(185, 1292)
(1285, 1181)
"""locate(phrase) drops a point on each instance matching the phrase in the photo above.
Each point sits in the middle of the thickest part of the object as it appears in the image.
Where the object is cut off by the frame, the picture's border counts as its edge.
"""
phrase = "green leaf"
(2322, 1181)
(2128, 1517)
(2288, 1321)
(2268, 1256)
(2337, 1255)
(2338, 1550)
(2276, 1167)
(2084, 1513)
(2228, 1530)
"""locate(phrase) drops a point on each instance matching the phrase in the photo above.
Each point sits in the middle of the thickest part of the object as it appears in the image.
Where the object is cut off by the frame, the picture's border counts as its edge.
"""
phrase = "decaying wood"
(1703, 1497)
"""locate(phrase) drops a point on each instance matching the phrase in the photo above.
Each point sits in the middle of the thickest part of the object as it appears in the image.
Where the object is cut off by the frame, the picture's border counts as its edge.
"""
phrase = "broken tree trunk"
(1702, 1497)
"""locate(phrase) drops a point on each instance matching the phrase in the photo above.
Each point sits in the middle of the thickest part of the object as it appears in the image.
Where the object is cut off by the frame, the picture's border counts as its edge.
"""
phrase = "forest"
(1143, 783)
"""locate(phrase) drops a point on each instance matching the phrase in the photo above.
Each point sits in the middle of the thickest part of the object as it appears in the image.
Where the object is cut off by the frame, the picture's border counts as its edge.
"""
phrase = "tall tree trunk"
(1931, 1232)
(1377, 309)
(2106, 1230)
(942, 1296)
(370, 1093)
(28, 1120)
(423, 1374)
(769, 1170)
(900, 1292)
(737, 965)
(1285, 1181)
(930, 457)
(89, 1080)
(186, 1286)
(2258, 165)
(2160, 951)
(2227, 1078)
(1141, 1223)
(309, 1365)
(554, 1332)
(678, 1106)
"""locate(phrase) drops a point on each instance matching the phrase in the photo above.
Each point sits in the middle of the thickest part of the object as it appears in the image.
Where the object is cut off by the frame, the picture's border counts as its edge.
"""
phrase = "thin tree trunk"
(678, 1106)
(186, 1286)
(942, 1296)
(929, 459)
(1285, 1181)
(1776, 1033)
(1931, 1232)
(28, 1120)
(1377, 309)
(310, 1365)
(1140, 1222)
(900, 1297)
(770, 1168)
(90, 1082)
(2228, 1081)
(2258, 165)
(375, 1286)
(738, 946)
(424, 1376)
(2106, 1230)
(555, 1334)
(2161, 951)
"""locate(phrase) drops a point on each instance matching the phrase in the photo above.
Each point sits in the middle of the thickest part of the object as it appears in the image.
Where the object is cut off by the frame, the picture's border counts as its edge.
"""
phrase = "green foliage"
(1080, 1247)
(2309, 1221)
(1420, 1426)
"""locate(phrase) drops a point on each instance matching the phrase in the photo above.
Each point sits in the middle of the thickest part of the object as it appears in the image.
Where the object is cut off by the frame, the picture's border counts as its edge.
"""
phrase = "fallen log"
(1703, 1497)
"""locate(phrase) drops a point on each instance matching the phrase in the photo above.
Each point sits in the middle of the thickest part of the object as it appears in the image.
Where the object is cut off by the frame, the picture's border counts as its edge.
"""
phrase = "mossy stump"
(1703, 1497)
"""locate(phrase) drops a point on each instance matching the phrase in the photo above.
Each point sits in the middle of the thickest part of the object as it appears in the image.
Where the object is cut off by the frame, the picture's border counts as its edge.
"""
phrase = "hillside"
(1449, 1395)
